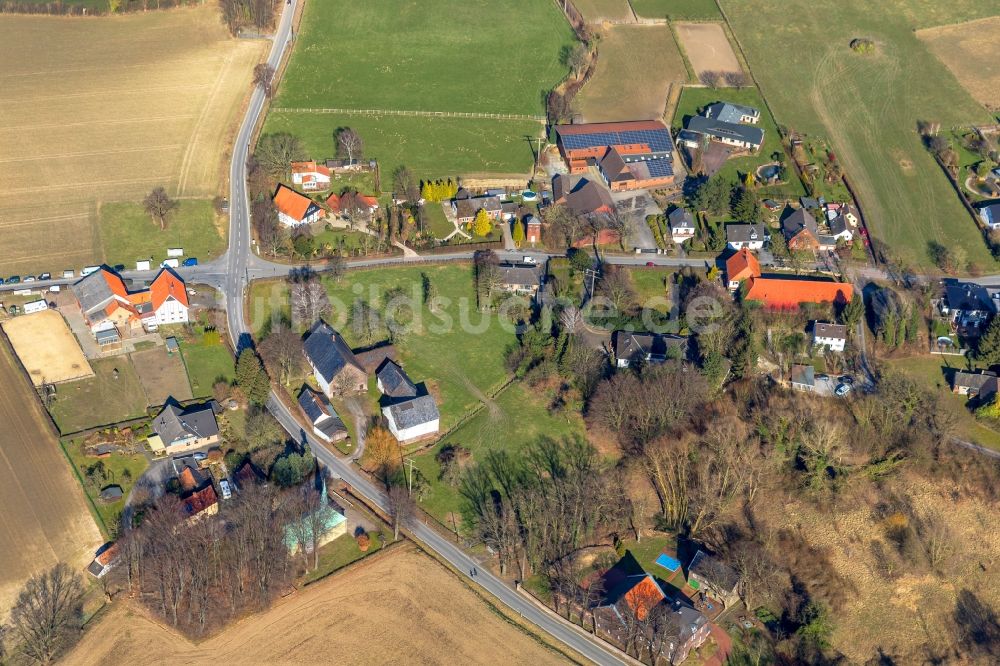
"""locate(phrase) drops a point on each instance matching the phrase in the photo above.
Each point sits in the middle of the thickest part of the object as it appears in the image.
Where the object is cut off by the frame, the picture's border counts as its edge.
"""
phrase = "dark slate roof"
(681, 218)
(629, 345)
(824, 330)
(174, 423)
(588, 197)
(469, 207)
(372, 359)
(745, 233)
(395, 382)
(714, 570)
(967, 296)
(321, 413)
(417, 411)
(730, 113)
(112, 493)
(93, 292)
(838, 225)
(797, 221)
(804, 374)
(723, 130)
(974, 380)
(809, 203)
(653, 134)
(521, 274)
(327, 351)
(614, 167)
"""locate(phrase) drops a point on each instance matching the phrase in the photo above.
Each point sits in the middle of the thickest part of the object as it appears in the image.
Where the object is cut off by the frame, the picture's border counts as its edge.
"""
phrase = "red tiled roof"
(197, 502)
(166, 285)
(742, 265)
(108, 556)
(643, 596)
(788, 294)
(310, 167)
(291, 203)
(186, 479)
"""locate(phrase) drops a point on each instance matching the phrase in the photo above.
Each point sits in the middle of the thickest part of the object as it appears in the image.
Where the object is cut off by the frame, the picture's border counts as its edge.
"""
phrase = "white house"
(831, 336)
(733, 113)
(412, 419)
(295, 209)
(749, 236)
(334, 365)
(107, 304)
(732, 134)
(311, 177)
(681, 224)
(990, 215)
(326, 424)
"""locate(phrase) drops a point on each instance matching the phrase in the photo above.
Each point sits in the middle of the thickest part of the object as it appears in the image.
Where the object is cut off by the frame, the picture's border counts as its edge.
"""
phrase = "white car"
(226, 490)
(843, 390)
(529, 260)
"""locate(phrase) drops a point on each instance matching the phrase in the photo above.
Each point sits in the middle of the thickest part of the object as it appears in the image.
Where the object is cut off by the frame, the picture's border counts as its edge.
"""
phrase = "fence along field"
(868, 106)
(98, 110)
(45, 516)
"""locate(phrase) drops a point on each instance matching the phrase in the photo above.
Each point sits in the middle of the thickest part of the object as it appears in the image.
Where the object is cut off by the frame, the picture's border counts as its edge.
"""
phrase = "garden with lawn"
(129, 234)
(208, 361)
(97, 473)
(114, 394)
(339, 553)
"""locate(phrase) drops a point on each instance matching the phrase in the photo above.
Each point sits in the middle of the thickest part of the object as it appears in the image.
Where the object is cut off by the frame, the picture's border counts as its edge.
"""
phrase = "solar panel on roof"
(658, 139)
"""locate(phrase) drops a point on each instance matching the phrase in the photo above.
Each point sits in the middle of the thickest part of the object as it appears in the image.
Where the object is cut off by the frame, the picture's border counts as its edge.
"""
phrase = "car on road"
(226, 490)
(30, 278)
(45, 276)
(843, 390)
(529, 260)
(191, 261)
(199, 455)
(13, 279)
(650, 263)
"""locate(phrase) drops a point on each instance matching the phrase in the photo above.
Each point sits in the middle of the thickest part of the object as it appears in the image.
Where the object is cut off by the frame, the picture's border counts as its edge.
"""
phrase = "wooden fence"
(424, 114)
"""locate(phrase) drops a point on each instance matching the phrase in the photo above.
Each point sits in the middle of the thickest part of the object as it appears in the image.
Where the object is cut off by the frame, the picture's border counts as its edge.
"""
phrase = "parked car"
(224, 487)
(529, 260)
(55, 288)
(29, 278)
(820, 375)
(13, 279)
(199, 456)
(650, 264)
(45, 276)
(846, 379)
(191, 261)
(843, 390)
(119, 267)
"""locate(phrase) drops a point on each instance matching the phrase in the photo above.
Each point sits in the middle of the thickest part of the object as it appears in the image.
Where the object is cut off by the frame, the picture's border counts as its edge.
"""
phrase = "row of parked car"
(69, 274)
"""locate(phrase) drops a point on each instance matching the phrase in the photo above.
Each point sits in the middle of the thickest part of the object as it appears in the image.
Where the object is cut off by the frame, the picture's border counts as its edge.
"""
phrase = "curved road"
(240, 263)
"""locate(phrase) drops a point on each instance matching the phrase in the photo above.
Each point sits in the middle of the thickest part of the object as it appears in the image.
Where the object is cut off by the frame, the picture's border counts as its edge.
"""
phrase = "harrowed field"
(869, 104)
(448, 56)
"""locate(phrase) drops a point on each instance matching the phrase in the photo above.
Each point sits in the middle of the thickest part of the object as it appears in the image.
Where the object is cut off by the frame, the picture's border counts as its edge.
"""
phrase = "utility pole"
(409, 480)
(592, 274)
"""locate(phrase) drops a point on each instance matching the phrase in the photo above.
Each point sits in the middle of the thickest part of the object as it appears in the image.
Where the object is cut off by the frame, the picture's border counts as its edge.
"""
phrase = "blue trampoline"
(668, 563)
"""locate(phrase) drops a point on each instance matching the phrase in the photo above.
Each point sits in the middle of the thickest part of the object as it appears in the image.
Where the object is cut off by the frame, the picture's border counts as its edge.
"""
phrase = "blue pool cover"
(667, 562)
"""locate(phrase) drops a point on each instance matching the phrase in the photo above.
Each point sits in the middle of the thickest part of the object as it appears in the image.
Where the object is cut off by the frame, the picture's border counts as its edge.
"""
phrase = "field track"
(44, 518)
(103, 110)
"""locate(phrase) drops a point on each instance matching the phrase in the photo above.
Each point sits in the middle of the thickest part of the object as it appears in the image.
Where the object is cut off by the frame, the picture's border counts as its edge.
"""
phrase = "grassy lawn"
(447, 55)
(933, 373)
(518, 417)
(121, 470)
(869, 105)
(694, 99)
(339, 553)
(430, 147)
(128, 234)
(676, 9)
(459, 354)
(436, 221)
(206, 364)
(339, 239)
(101, 399)
(653, 283)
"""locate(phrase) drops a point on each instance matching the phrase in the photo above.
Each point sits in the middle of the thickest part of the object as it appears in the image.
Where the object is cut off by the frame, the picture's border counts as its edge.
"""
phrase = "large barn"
(636, 154)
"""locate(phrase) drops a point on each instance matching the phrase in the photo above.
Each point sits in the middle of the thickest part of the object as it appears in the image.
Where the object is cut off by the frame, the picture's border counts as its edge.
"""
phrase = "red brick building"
(630, 155)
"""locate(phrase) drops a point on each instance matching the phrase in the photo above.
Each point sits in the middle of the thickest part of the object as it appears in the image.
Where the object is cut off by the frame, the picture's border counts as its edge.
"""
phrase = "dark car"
(650, 263)
(45, 276)
(846, 379)
(13, 279)
(820, 375)
(191, 261)
(119, 267)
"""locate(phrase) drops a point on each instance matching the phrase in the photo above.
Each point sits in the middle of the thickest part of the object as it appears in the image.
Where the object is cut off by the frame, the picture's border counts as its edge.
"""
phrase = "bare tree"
(709, 78)
(405, 184)
(158, 205)
(616, 286)
(276, 152)
(571, 320)
(401, 508)
(355, 208)
(349, 143)
(282, 350)
(577, 58)
(48, 613)
(735, 79)
(263, 77)
(309, 300)
(271, 234)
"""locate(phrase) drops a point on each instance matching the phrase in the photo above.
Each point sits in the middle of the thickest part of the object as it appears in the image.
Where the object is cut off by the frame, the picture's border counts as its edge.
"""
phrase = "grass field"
(707, 48)
(162, 376)
(970, 52)
(206, 364)
(397, 607)
(104, 110)
(46, 347)
(128, 233)
(869, 105)
(693, 99)
(430, 147)
(446, 56)
(620, 67)
(595, 11)
(122, 470)
(458, 365)
(437, 222)
(339, 553)
(46, 519)
(676, 9)
(517, 417)
(100, 400)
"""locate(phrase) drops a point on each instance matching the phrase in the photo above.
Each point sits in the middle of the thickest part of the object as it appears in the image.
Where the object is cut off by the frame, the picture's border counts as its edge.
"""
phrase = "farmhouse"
(523, 279)
(393, 382)
(326, 424)
(352, 203)
(749, 236)
(982, 385)
(732, 113)
(789, 294)
(104, 562)
(741, 266)
(629, 155)
(990, 215)
(466, 208)
(311, 177)
(295, 209)
(681, 224)
(732, 134)
(630, 347)
(184, 428)
(831, 336)
(582, 196)
(108, 305)
(801, 231)
(412, 419)
(336, 369)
